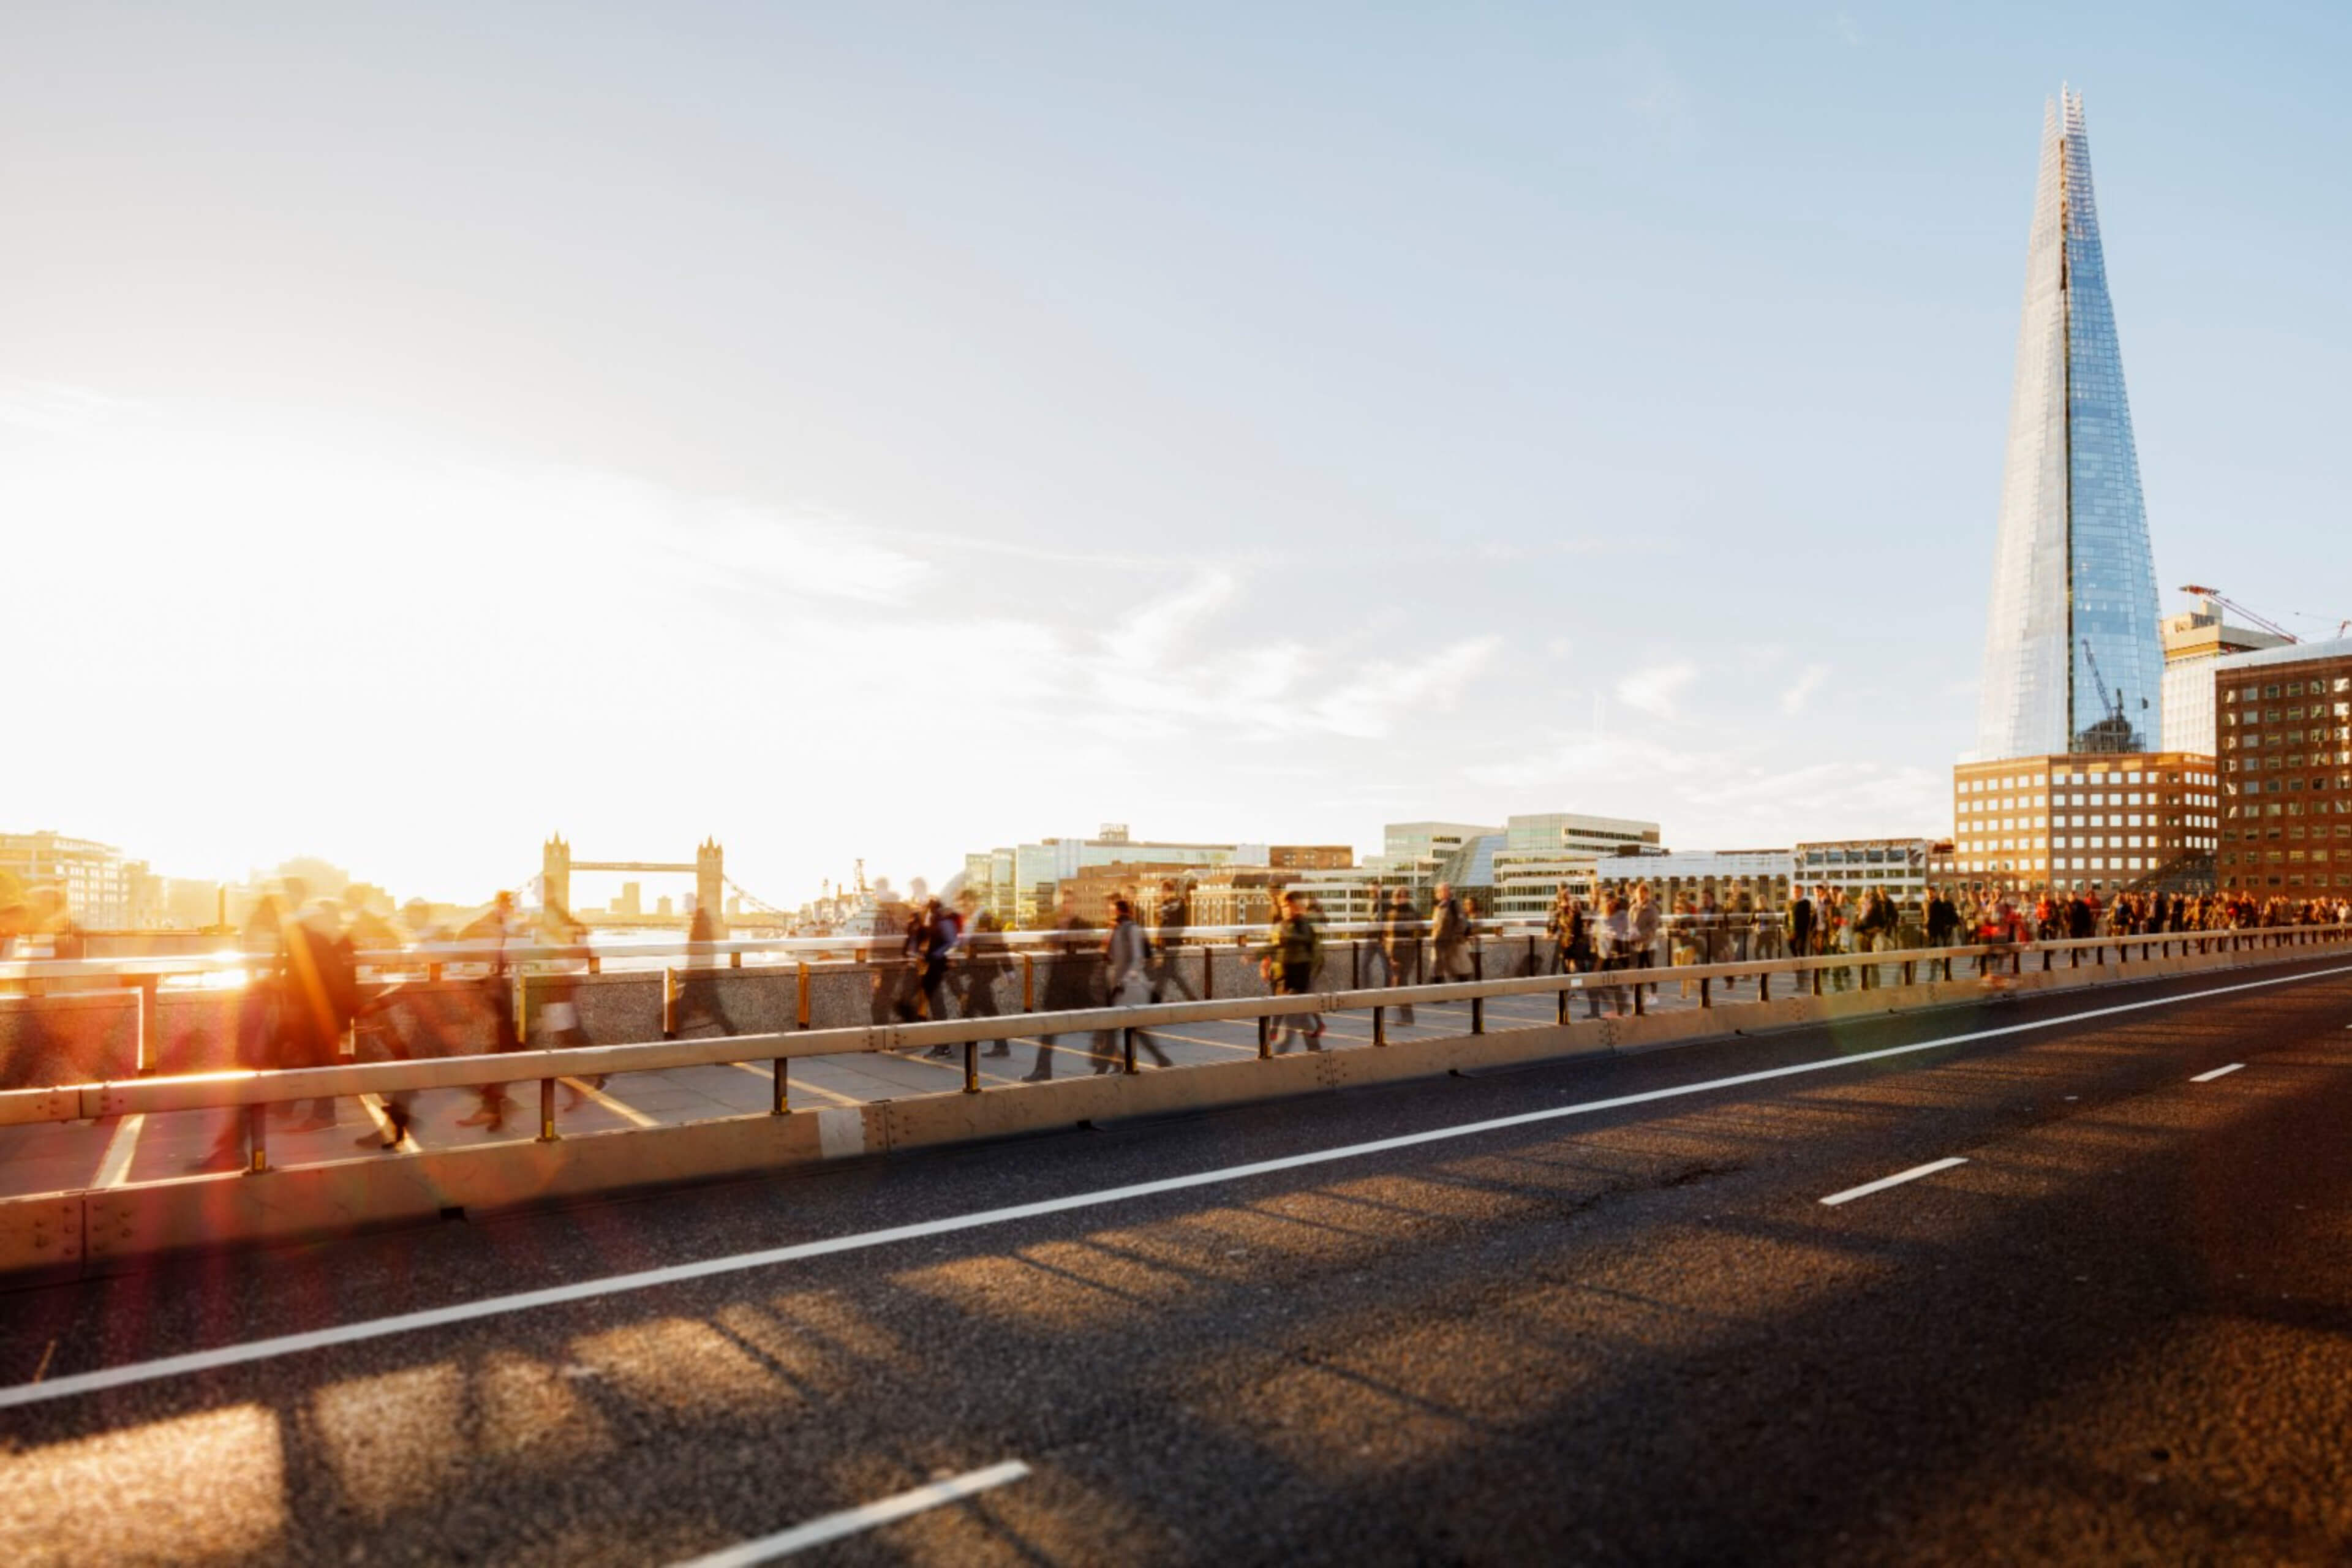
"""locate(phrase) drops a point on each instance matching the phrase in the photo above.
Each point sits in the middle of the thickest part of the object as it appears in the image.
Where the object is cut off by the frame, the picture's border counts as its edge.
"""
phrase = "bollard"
(780, 1101)
(547, 1110)
(257, 1137)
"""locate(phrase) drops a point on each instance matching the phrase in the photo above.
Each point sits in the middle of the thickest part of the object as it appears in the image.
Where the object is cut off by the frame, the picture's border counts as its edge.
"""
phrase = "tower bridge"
(709, 870)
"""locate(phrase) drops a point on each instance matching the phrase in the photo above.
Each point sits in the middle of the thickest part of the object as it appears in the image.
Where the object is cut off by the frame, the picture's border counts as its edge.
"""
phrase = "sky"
(888, 431)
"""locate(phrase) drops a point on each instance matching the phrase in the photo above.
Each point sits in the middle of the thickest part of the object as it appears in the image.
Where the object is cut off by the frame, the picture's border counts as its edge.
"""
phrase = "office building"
(1542, 853)
(2072, 661)
(1762, 875)
(102, 890)
(2093, 821)
(2193, 644)
(1902, 867)
(2286, 769)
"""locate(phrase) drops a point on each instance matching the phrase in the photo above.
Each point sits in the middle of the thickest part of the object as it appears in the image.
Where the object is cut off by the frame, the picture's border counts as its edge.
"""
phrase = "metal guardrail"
(143, 969)
(254, 1090)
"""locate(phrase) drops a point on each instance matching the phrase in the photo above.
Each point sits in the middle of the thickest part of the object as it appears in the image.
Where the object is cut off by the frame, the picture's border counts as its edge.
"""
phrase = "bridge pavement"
(2120, 1328)
(74, 1156)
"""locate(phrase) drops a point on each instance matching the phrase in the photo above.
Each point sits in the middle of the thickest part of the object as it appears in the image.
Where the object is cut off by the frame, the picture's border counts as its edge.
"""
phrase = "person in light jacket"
(1127, 975)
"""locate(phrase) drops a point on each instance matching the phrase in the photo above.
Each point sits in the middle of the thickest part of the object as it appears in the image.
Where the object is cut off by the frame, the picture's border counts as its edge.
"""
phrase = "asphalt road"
(2122, 1330)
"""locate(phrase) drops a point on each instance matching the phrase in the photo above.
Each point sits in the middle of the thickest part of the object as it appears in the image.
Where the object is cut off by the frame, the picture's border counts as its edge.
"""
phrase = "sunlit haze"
(886, 432)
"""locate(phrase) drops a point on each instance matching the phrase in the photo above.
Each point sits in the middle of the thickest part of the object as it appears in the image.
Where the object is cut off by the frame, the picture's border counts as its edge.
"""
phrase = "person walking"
(1126, 977)
(1166, 975)
(497, 927)
(1401, 946)
(1293, 950)
(1644, 917)
(1069, 985)
(1798, 923)
(1616, 947)
(1449, 937)
(977, 962)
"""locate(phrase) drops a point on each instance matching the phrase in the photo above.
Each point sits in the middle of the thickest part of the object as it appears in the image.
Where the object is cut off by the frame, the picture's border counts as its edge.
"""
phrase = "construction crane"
(2263, 622)
(2116, 704)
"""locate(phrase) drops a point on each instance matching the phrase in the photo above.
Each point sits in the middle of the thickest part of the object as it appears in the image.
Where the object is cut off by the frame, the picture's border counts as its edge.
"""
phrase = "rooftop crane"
(2263, 622)
(2116, 704)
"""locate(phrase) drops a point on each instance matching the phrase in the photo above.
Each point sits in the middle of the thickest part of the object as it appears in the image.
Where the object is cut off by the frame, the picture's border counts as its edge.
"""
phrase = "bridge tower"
(555, 874)
(711, 882)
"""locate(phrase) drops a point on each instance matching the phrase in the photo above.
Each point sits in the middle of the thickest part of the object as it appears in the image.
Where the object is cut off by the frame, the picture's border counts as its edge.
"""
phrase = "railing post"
(547, 1110)
(1208, 971)
(1264, 1036)
(1477, 1015)
(1127, 1049)
(1817, 980)
(801, 1007)
(257, 1139)
(780, 1100)
(151, 1034)
(670, 1001)
(1380, 1025)
(1706, 996)
(1638, 1008)
(1028, 983)
(1763, 985)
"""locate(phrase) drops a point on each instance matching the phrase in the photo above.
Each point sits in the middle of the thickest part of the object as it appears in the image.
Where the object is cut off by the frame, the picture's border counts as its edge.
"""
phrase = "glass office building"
(2072, 661)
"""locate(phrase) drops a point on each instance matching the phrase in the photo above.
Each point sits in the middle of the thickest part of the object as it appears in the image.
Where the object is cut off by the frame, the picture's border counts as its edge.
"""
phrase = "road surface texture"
(1618, 1329)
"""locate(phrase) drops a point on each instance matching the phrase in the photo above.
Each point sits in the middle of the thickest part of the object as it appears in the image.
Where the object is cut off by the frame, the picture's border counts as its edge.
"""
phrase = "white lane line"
(2217, 1072)
(114, 1167)
(278, 1345)
(853, 1521)
(1897, 1180)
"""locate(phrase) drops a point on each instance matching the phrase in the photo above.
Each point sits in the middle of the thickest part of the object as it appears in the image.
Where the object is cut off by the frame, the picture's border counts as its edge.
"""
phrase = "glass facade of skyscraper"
(2072, 661)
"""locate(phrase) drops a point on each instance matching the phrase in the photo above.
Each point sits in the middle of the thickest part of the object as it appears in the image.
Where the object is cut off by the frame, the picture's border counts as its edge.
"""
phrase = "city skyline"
(1522, 413)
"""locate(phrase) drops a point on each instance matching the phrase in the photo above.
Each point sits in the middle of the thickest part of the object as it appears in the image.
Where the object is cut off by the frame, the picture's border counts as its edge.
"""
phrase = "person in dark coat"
(1069, 980)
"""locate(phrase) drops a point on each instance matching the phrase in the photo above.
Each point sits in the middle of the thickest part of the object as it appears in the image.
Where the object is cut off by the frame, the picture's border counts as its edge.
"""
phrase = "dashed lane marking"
(1897, 1180)
(114, 1167)
(2217, 1072)
(270, 1349)
(857, 1520)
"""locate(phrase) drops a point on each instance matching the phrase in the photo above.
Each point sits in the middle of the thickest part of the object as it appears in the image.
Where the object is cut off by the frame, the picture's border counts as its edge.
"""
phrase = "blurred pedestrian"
(1068, 979)
(1401, 946)
(1293, 950)
(1125, 974)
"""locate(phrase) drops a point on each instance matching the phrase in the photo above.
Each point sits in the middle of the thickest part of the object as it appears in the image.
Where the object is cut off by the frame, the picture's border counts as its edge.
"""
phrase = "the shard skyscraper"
(2073, 659)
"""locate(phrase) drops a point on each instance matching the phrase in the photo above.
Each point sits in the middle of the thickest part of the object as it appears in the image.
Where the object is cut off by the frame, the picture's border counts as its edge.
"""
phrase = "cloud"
(1657, 689)
(1842, 28)
(51, 408)
(1801, 691)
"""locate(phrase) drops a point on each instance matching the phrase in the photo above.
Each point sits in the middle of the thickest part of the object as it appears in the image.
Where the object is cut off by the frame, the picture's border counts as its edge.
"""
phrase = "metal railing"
(254, 1090)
